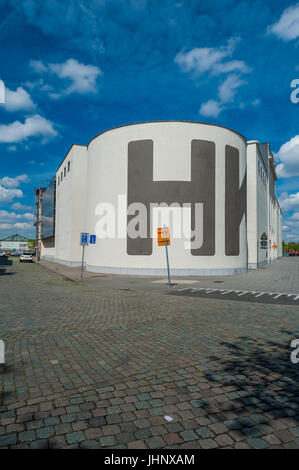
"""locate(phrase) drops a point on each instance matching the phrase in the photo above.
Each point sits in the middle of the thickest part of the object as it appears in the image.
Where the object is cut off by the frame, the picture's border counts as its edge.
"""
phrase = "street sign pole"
(82, 261)
(167, 260)
(83, 242)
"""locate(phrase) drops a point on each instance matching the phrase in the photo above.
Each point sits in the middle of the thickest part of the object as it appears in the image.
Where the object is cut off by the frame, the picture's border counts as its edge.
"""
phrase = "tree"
(31, 243)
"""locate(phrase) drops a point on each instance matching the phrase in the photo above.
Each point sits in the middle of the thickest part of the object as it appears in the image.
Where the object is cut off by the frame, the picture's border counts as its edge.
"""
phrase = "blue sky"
(73, 69)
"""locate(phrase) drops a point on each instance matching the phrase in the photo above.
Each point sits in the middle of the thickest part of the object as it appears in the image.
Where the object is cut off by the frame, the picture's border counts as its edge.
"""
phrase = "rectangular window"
(68, 166)
(64, 171)
(58, 180)
(61, 176)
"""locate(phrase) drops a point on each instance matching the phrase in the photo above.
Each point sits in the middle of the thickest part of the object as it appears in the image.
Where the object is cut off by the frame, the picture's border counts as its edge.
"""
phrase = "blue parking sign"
(92, 239)
(84, 238)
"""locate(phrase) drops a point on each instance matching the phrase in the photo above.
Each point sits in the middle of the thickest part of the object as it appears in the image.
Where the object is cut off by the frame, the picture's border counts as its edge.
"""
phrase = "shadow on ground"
(260, 381)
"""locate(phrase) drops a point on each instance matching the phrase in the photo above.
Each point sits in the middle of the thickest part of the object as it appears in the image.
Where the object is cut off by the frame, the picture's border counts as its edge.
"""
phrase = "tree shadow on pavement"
(259, 383)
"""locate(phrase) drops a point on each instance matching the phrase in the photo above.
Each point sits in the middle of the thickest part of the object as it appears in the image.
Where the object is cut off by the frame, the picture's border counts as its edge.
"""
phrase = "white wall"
(70, 208)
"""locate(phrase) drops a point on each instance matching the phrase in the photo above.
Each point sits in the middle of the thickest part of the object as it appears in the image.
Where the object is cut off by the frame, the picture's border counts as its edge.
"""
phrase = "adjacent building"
(206, 179)
(14, 243)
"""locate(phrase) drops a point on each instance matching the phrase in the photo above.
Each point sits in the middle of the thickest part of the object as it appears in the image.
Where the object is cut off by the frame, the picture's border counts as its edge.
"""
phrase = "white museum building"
(213, 189)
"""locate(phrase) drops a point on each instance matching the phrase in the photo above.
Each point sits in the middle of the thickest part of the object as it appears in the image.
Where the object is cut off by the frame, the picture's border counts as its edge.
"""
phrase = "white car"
(2, 253)
(26, 257)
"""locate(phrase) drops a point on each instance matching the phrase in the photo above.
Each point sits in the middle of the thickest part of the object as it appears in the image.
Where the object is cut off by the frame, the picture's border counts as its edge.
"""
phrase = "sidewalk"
(281, 276)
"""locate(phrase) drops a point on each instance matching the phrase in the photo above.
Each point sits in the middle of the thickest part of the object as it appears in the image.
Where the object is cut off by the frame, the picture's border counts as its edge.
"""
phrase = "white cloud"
(289, 202)
(34, 125)
(210, 59)
(38, 66)
(227, 89)
(287, 27)
(22, 225)
(81, 78)
(17, 100)
(256, 102)
(14, 182)
(7, 195)
(288, 158)
(295, 216)
(211, 108)
(17, 206)
(215, 61)
(6, 216)
(226, 93)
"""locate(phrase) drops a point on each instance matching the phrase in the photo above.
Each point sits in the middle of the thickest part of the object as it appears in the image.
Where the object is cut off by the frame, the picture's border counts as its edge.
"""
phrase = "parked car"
(26, 257)
(2, 253)
(16, 253)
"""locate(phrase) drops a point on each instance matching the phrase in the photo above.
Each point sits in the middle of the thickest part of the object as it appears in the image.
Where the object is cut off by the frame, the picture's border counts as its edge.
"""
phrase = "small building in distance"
(14, 243)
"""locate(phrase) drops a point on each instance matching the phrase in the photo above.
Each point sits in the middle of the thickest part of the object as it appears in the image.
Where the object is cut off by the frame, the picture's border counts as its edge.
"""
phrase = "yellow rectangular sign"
(161, 236)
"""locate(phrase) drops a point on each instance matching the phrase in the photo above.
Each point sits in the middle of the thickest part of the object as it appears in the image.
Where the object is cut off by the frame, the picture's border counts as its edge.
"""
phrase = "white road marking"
(239, 293)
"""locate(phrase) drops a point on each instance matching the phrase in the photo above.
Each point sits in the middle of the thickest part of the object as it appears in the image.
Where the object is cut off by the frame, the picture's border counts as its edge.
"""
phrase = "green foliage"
(31, 243)
(290, 246)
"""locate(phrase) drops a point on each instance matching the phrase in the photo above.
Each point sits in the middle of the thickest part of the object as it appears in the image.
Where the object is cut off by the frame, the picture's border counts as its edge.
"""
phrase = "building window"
(61, 176)
(64, 171)
(58, 180)
(68, 165)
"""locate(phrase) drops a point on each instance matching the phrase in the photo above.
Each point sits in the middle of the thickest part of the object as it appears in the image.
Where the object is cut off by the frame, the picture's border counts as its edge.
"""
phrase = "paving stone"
(172, 438)
(89, 444)
(8, 439)
(124, 437)
(258, 443)
(208, 444)
(155, 442)
(188, 435)
(46, 432)
(40, 444)
(137, 445)
(142, 434)
(204, 432)
(107, 441)
(224, 440)
(26, 436)
(74, 437)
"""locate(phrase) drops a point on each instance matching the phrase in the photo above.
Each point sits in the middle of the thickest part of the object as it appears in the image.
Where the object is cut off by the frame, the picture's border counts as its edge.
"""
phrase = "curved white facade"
(107, 178)
(201, 168)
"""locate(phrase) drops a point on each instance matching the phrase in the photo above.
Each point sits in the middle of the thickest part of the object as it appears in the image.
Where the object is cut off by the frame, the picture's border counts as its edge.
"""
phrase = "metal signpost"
(164, 239)
(83, 242)
(2, 353)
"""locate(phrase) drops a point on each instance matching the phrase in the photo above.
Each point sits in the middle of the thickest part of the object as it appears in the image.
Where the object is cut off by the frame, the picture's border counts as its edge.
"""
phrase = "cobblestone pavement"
(93, 366)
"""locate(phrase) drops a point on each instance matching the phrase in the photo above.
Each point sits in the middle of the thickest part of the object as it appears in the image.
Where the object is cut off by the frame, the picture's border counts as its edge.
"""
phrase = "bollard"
(2, 353)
